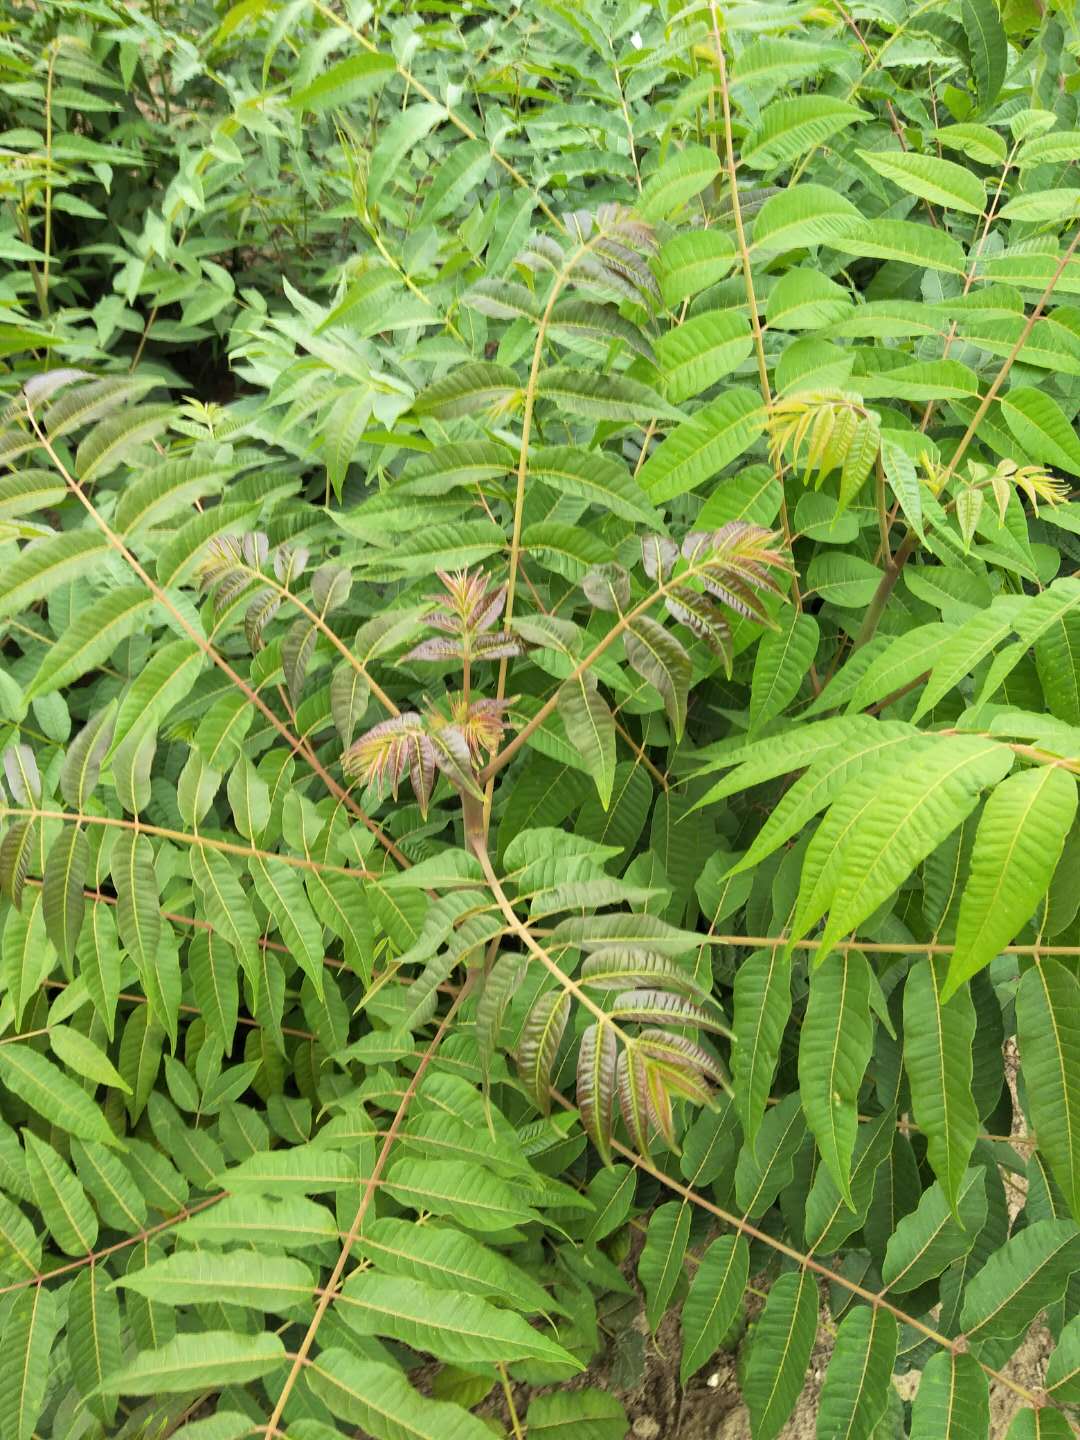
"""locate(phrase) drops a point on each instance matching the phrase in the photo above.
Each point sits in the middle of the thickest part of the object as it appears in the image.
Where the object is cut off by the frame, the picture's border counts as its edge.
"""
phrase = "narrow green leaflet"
(601, 397)
(942, 182)
(27, 954)
(227, 906)
(449, 1259)
(380, 1399)
(660, 1266)
(925, 1242)
(713, 1301)
(63, 901)
(700, 447)
(273, 1283)
(590, 728)
(1029, 1272)
(702, 351)
(594, 476)
(1041, 427)
(195, 1361)
(93, 1337)
(855, 1394)
(449, 1187)
(40, 568)
(788, 128)
(287, 1220)
(659, 658)
(903, 240)
(460, 1329)
(953, 1402)
(692, 261)
(762, 1007)
(1063, 1371)
(1018, 844)
(586, 1414)
(783, 661)
(138, 908)
(876, 832)
(468, 390)
(834, 1050)
(1048, 1028)
(681, 178)
(28, 1335)
(937, 1057)
(299, 1170)
(1044, 1424)
(79, 1053)
(48, 1091)
(829, 1218)
(344, 82)
(988, 47)
(803, 214)
(780, 1351)
(91, 639)
(281, 890)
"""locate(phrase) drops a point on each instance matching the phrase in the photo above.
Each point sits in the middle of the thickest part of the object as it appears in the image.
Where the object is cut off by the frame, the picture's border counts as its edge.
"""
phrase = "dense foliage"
(540, 710)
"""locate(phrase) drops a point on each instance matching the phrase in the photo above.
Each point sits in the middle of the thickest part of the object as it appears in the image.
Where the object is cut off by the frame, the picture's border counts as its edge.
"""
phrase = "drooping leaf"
(782, 662)
(931, 1237)
(713, 1301)
(272, 1283)
(658, 657)
(942, 182)
(762, 1007)
(857, 1383)
(834, 1050)
(937, 1057)
(953, 1402)
(93, 1337)
(591, 730)
(987, 46)
(28, 1335)
(660, 1265)
(876, 832)
(1047, 1025)
(63, 901)
(597, 1057)
(702, 351)
(1018, 844)
(780, 1350)
(700, 447)
(48, 1091)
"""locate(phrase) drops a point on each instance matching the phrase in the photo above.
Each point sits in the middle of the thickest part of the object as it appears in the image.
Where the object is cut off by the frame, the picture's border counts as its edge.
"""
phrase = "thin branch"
(807, 1262)
(507, 753)
(203, 842)
(748, 276)
(330, 1289)
(212, 654)
(95, 1256)
(528, 410)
